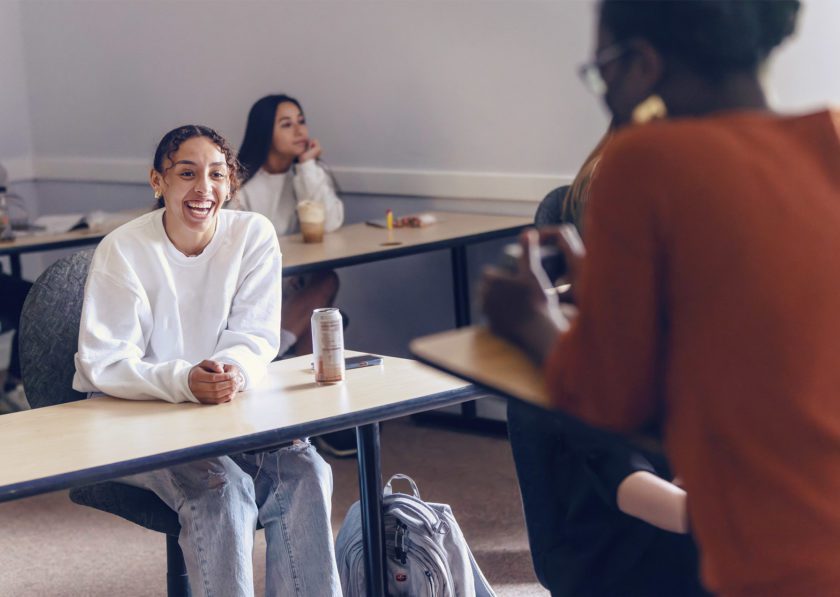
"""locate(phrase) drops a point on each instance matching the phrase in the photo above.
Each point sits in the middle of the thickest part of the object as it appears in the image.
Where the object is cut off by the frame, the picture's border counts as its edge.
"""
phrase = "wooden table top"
(41, 241)
(351, 244)
(361, 243)
(101, 438)
(474, 354)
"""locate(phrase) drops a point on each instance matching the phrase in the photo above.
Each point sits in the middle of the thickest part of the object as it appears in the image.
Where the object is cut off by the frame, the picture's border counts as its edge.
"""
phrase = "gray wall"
(444, 92)
(389, 302)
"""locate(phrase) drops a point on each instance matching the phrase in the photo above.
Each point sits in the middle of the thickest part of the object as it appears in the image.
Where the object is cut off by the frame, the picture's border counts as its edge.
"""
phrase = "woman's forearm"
(654, 500)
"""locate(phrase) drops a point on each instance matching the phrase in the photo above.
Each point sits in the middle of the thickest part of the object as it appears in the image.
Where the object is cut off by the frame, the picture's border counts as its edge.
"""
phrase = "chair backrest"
(550, 209)
(49, 331)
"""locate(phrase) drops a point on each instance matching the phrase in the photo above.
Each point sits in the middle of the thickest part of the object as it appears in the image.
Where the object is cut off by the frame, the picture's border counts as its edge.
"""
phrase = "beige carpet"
(49, 546)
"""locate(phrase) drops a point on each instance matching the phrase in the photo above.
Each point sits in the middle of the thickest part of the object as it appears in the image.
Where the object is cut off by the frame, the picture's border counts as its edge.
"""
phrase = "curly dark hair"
(712, 37)
(172, 140)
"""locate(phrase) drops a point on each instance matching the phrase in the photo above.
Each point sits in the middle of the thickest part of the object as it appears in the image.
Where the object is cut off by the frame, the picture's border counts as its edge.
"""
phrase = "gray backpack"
(426, 553)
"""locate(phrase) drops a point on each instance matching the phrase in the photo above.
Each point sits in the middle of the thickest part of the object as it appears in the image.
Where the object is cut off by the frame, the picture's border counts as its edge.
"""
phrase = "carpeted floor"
(51, 547)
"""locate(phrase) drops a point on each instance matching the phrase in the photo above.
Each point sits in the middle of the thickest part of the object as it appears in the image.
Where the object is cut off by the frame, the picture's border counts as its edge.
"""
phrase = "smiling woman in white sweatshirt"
(183, 304)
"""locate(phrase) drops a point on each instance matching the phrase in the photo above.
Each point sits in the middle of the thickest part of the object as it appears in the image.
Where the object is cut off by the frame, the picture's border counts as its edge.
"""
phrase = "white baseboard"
(453, 184)
(376, 181)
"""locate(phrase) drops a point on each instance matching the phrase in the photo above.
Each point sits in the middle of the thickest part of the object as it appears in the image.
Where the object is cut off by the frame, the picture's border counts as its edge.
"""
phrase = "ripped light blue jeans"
(219, 501)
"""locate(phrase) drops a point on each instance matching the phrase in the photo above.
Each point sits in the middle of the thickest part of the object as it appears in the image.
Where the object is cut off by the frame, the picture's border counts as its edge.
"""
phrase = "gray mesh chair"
(49, 336)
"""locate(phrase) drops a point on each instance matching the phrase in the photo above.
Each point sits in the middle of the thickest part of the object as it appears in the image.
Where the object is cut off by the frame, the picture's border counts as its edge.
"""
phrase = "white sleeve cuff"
(185, 386)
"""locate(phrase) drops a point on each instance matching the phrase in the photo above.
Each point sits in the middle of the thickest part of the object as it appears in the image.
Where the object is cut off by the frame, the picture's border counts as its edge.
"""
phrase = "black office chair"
(550, 210)
(49, 336)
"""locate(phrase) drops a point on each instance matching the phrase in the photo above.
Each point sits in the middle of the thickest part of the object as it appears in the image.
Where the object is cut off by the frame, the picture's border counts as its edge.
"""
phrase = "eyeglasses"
(590, 72)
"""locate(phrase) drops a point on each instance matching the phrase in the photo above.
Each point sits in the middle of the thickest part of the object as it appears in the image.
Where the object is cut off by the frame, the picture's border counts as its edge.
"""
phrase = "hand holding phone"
(552, 259)
(566, 239)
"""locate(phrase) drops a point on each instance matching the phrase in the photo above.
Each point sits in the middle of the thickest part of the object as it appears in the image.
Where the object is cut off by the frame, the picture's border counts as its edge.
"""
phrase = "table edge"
(89, 239)
(477, 383)
(257, 441)
(393, 252)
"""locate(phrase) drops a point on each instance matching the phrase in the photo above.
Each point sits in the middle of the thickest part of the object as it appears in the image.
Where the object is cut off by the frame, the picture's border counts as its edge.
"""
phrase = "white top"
(272, 196)
(151, 313)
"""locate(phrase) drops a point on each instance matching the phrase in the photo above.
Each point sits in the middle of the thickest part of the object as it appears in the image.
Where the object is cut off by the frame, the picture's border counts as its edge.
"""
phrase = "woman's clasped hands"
(212, 382)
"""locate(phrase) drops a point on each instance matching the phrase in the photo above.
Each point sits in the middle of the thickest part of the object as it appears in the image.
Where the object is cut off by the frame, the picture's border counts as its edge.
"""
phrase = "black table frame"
(14, 252)
(457, 247)
(468, 419)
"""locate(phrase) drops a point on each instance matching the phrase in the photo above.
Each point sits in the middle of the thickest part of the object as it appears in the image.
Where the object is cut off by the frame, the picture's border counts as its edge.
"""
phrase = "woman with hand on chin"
(281, 169)
(281, 164)
(182, 305)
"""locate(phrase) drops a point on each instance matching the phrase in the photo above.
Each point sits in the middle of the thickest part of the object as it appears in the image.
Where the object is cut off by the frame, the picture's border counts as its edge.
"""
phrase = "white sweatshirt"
(272, 196)
(151, 313)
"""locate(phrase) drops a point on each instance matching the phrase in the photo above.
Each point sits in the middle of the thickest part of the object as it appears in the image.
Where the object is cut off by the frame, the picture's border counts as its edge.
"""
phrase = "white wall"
(474, 98)
(15, 135)
(462, 98)
(805, 73)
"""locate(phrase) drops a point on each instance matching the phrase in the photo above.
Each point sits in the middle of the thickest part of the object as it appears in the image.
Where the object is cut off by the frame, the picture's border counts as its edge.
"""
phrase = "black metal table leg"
(468, 418)
(14, 259)
(370, 491)
(461, 286)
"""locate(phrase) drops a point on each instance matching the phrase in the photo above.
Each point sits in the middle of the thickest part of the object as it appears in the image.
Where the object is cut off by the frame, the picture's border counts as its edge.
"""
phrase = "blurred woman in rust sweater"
(708, 296)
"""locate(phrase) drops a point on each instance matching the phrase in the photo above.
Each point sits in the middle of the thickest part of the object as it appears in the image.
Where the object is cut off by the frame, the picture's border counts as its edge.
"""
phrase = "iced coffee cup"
(311, 217)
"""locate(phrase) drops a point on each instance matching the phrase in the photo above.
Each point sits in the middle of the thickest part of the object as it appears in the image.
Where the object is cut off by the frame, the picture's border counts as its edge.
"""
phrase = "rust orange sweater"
(710, 300)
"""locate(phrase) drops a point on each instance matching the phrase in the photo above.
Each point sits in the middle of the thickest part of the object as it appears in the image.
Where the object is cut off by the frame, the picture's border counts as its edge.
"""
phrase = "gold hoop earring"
(652, 108)
(158, 195)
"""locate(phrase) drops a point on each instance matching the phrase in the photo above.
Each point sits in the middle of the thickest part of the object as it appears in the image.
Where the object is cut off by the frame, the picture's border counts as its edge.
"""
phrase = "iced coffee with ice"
(311, 216)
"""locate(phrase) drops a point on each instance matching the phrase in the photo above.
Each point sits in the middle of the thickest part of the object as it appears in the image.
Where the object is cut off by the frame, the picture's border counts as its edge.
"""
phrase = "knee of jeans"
(218, 480)
(323, 471)
(304, 462)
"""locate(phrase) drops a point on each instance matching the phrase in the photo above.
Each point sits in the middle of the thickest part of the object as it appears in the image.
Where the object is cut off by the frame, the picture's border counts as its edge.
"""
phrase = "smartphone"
(363, 360)
(551, 258)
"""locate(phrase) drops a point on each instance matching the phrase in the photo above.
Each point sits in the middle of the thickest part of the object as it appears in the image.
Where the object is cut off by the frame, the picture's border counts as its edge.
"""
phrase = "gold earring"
(652, 108)
(158, 195)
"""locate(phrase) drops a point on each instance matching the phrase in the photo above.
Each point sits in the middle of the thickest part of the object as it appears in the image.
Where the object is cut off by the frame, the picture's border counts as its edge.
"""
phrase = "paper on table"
(58, 223)
(413, 221)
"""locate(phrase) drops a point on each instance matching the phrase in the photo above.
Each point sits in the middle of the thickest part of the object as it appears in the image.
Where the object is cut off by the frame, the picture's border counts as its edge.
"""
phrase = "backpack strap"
(388, 491)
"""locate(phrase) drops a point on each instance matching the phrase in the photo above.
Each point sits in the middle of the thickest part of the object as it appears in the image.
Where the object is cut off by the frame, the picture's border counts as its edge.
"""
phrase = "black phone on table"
(362, 360)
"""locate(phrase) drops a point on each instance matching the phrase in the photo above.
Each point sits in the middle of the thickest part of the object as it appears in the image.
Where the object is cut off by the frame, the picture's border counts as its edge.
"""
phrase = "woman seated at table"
(182, 305)
(281, 169)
